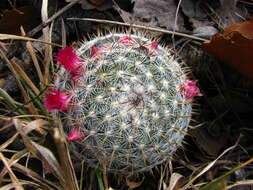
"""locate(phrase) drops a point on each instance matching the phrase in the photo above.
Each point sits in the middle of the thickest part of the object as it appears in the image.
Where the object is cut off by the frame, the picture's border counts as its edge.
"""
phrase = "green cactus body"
(128, 104)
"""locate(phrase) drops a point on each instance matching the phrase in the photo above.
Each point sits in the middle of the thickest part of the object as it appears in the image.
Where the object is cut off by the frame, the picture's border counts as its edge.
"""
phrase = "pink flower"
(75, 135)
(189, 89)
(152, 48)
(57, 100)
(98, 51)
(68, 58)
(127, 41)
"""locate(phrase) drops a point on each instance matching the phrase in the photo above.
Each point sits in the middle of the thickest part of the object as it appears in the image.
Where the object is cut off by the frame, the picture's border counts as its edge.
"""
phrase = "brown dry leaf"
(2, 82)
(12, 20)
(133, 184)
(49, 161)
(234, 46)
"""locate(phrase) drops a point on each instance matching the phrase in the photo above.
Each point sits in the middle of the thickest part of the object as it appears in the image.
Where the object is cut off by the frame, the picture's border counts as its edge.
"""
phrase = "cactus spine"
(127, 102)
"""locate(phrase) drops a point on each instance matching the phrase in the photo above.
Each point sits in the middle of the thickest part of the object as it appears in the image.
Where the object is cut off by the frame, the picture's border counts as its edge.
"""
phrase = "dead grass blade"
(240, 183)
(52, 18)
(13, 177)
(12, 185)
(46, 184)
(49, 161)
(213, 184)
(8, 142)
(6, 122)
(176, 180)
(31, 50)
(26, 97)
(45, 155)
(139, 26)
(63, 33)
(15, 158)
(65, 160)
(38, 125)
(46, 37)
(15, 37)
(48, 57)
(22, 73)
(12, 104)
(210, 165)
(21, 183)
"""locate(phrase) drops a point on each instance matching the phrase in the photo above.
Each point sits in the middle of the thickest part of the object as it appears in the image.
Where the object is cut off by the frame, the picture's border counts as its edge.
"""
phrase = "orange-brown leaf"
(12, 20)
(234, 46)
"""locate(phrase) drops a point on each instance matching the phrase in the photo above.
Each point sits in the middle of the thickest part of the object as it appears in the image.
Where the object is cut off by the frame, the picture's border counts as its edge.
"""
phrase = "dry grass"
(34, 153)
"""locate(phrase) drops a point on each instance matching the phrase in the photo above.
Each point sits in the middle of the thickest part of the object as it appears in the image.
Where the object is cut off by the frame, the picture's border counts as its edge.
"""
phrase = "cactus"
(130, 102)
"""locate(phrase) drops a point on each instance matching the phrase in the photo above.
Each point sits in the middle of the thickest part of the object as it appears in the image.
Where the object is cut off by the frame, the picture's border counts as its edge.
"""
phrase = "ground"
(217, 152)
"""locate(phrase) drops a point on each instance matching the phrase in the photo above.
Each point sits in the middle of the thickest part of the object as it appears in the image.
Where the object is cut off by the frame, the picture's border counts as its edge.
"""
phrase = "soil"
(224, 113)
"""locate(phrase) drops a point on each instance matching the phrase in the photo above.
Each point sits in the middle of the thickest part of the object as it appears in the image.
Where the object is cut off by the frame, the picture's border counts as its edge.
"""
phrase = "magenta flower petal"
(99, 51)
(68, 58)
(56, 100)
(152, 48)
(127, 41)
(189, 89)
(75, 135)
(95, 51)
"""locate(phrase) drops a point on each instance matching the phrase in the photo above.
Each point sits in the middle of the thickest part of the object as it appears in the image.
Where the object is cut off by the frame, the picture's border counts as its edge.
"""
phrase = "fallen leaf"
(234, 46)
(2, 82)
(12, 20)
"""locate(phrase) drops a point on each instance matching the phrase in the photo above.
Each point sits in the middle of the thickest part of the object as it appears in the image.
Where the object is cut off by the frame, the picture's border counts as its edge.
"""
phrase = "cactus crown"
(127, 102)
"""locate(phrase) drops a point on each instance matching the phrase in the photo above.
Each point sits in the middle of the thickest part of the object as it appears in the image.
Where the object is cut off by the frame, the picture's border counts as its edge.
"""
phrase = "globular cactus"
(126, 100)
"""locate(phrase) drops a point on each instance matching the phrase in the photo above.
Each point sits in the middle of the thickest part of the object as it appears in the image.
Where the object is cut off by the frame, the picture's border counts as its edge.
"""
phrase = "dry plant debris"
(12, 20)
(17, 169)
(234, 46)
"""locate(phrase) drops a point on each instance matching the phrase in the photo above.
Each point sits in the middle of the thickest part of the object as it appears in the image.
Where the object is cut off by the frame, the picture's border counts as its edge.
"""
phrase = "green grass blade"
(10, 102)
(100, 180)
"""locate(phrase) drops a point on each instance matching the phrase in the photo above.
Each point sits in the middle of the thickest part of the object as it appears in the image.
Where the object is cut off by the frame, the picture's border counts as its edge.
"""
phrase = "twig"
(139, 26)
(15, 37)
(48, 21)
